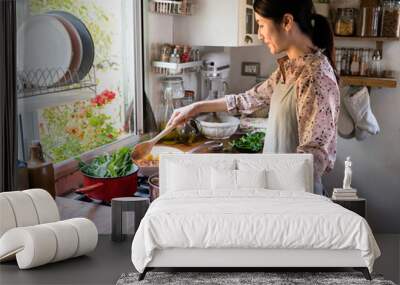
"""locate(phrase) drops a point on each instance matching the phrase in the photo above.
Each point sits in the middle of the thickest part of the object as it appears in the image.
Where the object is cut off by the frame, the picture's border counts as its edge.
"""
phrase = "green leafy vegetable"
(251, 142)
(113, 165)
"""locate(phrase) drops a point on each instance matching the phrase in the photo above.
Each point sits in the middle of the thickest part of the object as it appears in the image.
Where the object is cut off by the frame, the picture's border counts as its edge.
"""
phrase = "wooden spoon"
(144, 148)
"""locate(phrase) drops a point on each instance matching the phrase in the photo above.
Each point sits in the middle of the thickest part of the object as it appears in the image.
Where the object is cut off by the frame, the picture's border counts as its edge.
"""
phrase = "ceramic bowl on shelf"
(218, 127)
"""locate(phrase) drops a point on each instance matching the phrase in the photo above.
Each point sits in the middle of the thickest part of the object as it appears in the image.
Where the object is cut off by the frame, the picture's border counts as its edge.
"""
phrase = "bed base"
(242, 260)
(363, 270)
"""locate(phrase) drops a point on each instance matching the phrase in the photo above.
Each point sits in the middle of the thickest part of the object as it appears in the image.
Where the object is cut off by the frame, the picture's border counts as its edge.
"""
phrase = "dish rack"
(41, 81)
(172, 7)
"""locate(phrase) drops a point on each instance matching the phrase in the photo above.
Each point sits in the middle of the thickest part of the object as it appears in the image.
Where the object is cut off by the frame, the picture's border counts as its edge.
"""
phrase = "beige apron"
(282, 129)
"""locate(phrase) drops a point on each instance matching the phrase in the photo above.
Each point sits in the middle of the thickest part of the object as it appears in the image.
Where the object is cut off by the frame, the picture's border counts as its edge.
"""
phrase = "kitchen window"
(84, 95)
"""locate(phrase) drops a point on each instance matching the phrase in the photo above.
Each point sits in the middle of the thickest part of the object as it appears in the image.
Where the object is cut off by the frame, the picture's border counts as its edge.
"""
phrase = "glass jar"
(391, 19)
(345, 22)
(370, 21)
(173, 86)
(165, 52)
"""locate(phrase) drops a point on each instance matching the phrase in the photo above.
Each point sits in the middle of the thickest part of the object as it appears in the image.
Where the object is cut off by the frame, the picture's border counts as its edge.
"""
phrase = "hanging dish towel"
(357, 103)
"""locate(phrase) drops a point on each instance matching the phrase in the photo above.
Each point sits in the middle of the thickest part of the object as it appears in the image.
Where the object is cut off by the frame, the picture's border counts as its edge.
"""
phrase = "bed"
(247, 211)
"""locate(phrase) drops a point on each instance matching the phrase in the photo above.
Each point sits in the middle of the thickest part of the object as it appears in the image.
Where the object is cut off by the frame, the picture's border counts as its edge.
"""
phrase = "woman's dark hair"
(314, 25)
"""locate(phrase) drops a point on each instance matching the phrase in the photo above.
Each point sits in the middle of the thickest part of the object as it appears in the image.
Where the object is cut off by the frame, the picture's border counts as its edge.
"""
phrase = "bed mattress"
(250, 219)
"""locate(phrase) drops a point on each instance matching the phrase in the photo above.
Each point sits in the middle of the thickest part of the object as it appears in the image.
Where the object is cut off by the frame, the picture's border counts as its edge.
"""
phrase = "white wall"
(376, 160)
(158, 31)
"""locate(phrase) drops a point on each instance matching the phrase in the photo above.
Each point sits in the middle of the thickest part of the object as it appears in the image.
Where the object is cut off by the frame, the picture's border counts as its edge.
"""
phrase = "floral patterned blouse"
(318, 102)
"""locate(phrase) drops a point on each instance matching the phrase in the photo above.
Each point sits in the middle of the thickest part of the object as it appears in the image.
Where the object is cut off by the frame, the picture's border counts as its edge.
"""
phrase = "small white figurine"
(347, 174)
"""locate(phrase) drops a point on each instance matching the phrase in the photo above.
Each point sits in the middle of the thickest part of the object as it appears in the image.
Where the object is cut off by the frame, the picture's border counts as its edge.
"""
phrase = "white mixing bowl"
(217, 130)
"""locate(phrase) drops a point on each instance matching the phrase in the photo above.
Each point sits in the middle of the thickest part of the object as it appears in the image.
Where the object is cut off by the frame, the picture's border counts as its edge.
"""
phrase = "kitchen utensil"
(144, 148)
(206, 147)
(44, 44)
(215, 74)
(88, 48)
(222, 130)
(105, 189)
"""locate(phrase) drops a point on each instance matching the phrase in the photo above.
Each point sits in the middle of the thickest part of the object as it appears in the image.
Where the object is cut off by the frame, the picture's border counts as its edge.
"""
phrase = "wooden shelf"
(376, 39)
(369, 81)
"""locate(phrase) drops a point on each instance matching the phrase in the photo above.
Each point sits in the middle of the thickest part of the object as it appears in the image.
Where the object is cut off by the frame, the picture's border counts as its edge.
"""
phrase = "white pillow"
(291, 179)
(282, 174)
(225, 179)
(193, 176)
(251, 178)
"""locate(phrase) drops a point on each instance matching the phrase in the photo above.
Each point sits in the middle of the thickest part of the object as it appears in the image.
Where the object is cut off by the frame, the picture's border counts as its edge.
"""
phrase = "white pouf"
(31, 233)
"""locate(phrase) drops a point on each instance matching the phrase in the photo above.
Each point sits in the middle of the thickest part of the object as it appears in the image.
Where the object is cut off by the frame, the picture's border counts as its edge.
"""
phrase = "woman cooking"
(302, 94)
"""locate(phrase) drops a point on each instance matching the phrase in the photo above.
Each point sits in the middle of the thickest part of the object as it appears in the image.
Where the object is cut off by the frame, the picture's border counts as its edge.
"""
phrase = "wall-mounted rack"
(370, 81)
(170, 68)
(171, 7)
(378, 40)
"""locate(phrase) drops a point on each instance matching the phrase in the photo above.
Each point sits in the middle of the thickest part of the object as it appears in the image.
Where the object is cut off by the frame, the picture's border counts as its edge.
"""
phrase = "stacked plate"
(55, 47)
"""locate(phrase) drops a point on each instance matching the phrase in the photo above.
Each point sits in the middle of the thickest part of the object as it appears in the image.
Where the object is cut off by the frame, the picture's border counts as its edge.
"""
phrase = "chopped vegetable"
(251, 142)
(113, 165)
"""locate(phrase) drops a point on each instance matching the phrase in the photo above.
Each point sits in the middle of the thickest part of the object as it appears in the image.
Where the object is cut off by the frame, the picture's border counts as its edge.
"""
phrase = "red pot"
(105, 189)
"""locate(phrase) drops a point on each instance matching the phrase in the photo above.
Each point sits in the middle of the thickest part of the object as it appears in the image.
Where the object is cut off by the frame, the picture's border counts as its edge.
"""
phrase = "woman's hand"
(182, 115)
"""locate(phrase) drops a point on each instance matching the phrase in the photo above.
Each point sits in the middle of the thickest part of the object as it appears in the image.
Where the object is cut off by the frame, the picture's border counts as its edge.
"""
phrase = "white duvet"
(250, 219)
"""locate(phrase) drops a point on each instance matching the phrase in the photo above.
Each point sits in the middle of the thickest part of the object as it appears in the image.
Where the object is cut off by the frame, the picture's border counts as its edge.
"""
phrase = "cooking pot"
(105, 189)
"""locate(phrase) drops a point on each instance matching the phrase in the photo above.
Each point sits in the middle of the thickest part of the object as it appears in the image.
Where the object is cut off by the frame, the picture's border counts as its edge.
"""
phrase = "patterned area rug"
(244, 278)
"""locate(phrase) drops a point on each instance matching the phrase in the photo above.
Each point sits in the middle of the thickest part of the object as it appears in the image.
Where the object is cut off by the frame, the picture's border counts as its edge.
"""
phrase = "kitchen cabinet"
(227, 23)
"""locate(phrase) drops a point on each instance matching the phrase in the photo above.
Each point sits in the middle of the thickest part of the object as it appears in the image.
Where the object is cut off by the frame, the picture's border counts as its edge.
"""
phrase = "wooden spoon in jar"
(144, 148)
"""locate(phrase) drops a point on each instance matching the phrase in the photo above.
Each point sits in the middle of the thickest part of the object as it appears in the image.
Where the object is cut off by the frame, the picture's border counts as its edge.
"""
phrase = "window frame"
(69, 166)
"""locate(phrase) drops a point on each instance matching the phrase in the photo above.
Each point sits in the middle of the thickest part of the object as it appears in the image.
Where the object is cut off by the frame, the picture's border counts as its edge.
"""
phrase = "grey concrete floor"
(103, 266)
(110, 259)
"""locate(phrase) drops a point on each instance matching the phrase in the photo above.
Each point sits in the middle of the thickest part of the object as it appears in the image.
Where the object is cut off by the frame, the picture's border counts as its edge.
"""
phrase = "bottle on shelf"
(364, 63)
(338, 59)
(175, 58)
(355, 64)
(343, 62)
(379, 68)
(40, 171)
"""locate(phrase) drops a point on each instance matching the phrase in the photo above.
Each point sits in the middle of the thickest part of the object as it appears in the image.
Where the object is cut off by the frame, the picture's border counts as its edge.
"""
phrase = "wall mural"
(69, 130)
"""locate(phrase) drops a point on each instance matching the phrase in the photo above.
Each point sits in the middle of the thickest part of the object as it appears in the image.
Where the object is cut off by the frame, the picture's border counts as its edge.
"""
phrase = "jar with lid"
(187, 132)
(345, 22)
(167, 110)
(391, 19)
(173, 86)
(165, 52)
